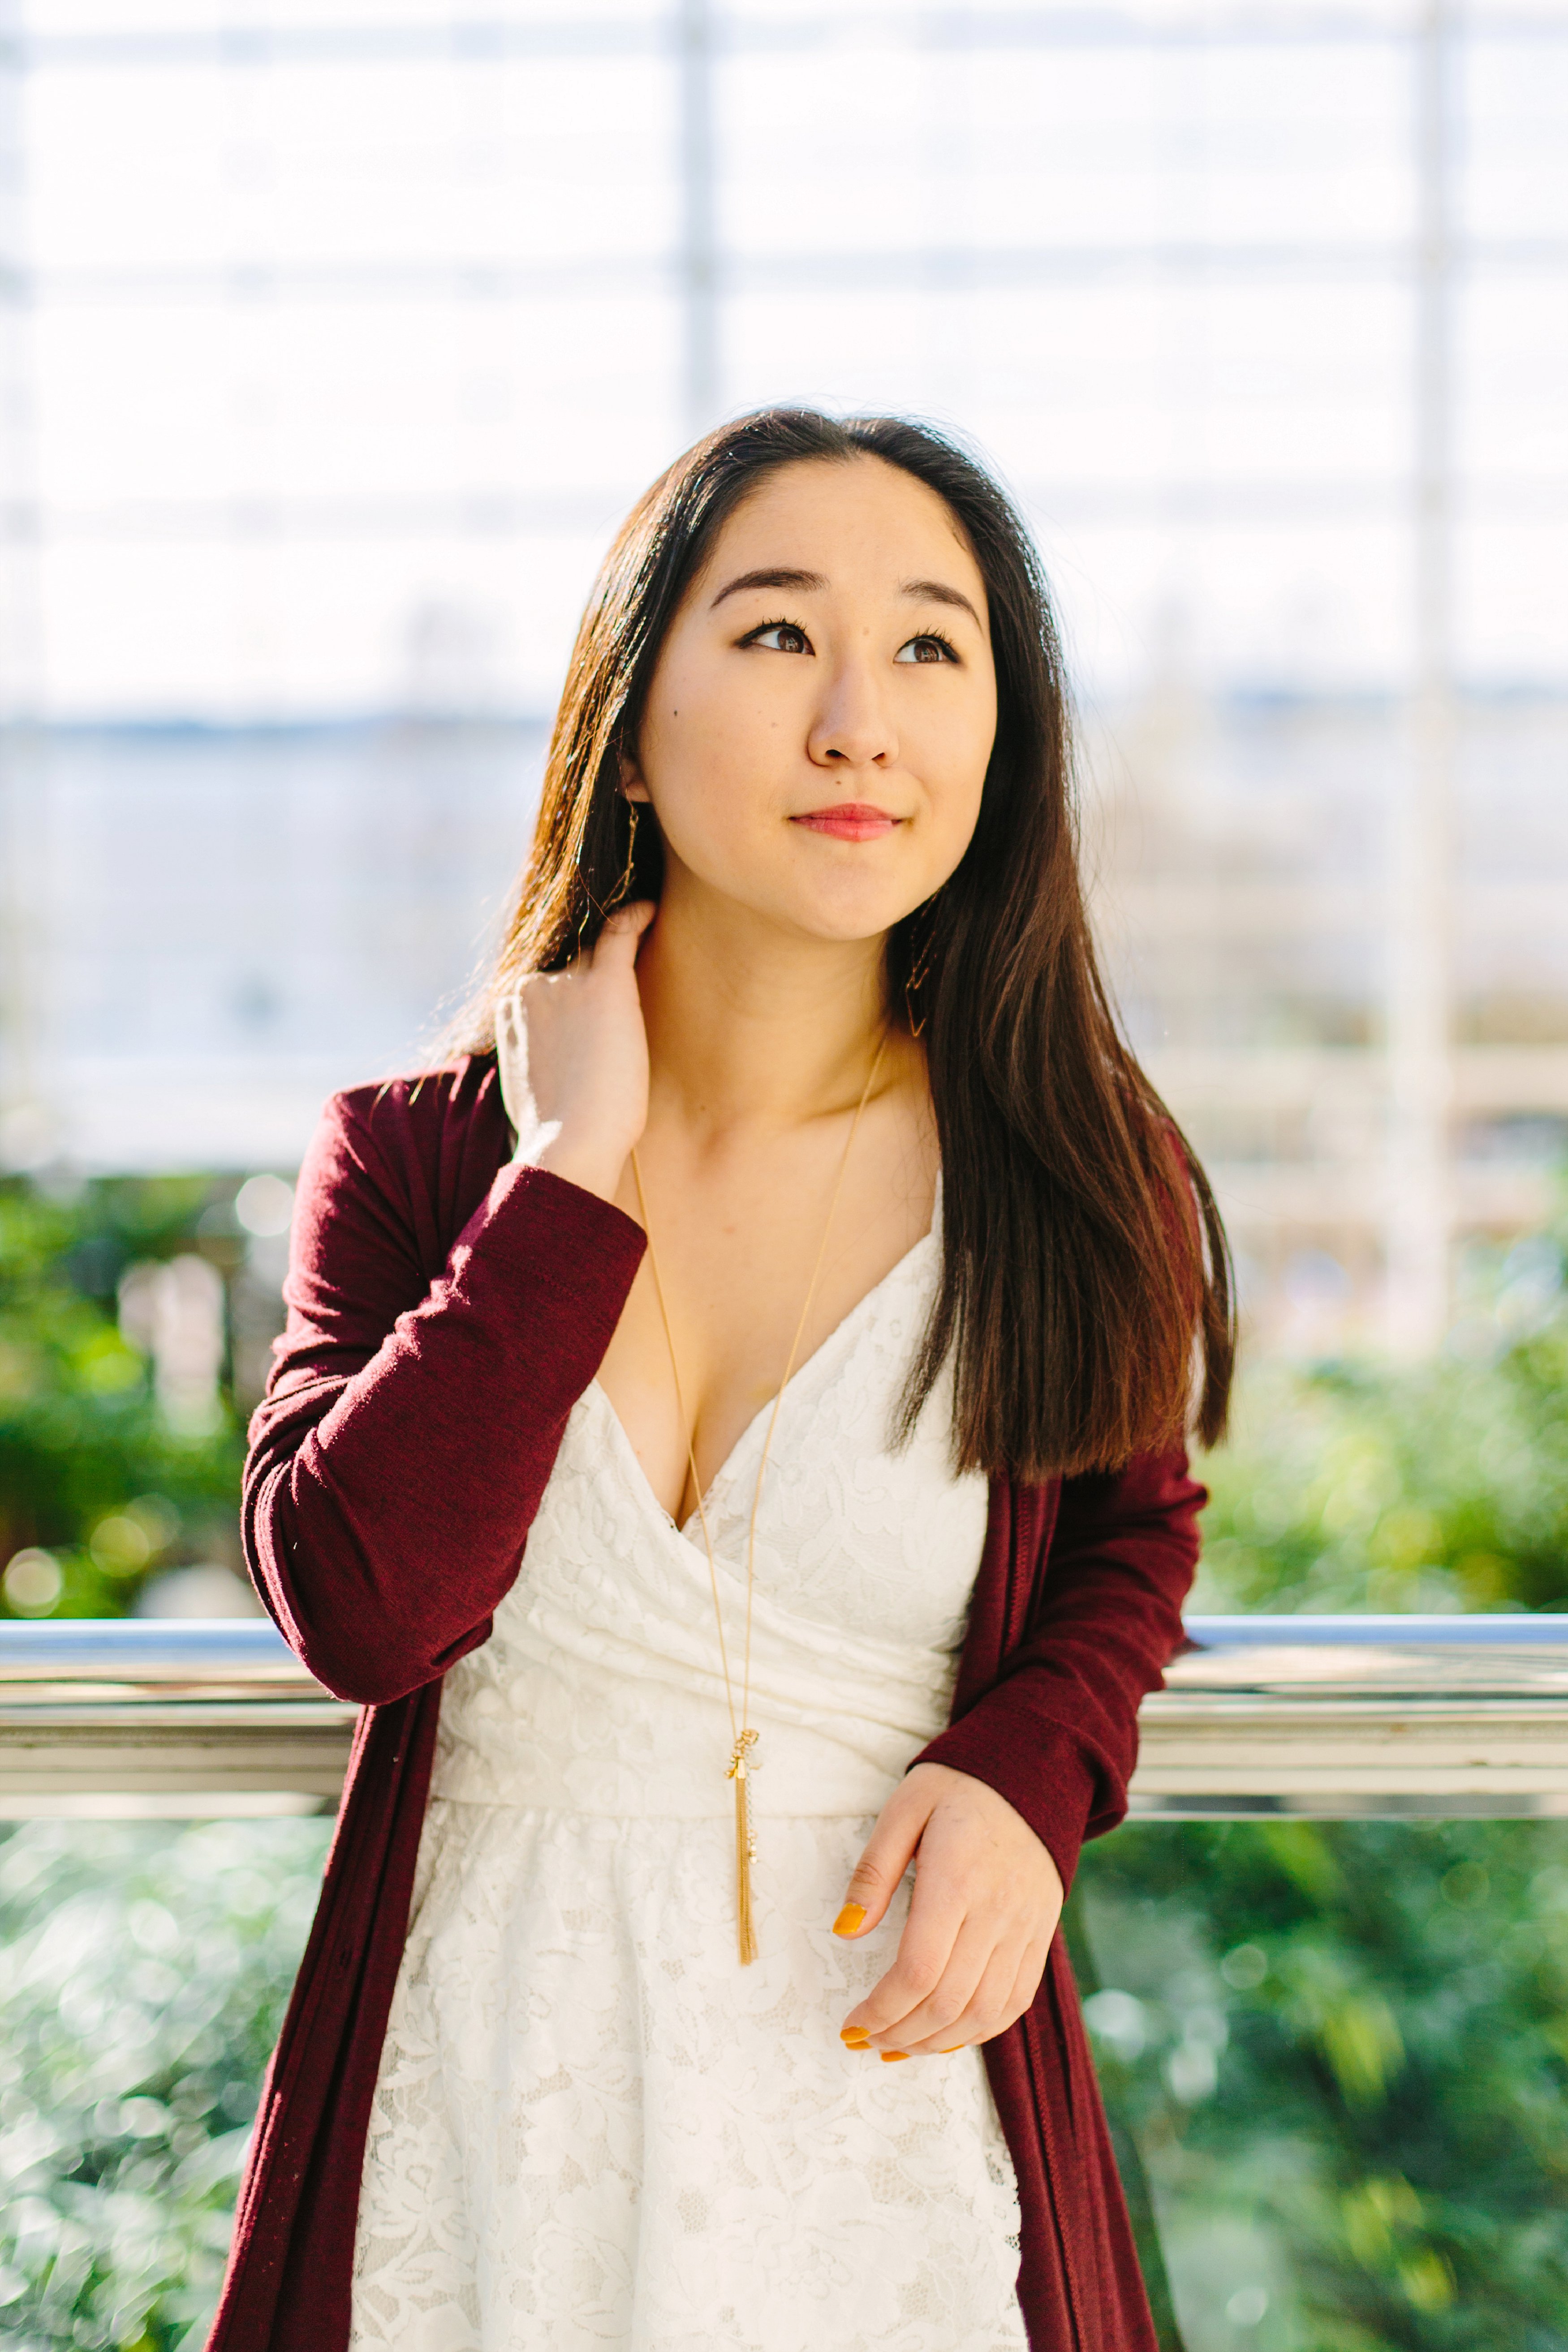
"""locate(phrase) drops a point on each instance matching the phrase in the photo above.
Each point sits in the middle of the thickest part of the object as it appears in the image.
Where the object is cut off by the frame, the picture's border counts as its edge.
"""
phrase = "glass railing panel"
(1334, 2056)
(1325, 1969)
(144, 1968)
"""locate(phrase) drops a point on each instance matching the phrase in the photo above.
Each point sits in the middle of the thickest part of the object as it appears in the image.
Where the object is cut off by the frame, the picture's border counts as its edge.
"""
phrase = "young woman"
(770, 1341)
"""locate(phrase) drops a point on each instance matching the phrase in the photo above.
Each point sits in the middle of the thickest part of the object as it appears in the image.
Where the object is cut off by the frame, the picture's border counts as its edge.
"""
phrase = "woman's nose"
(852, 729)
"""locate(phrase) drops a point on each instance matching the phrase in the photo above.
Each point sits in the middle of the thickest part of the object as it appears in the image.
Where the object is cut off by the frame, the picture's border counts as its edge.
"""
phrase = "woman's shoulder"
(419, 1109)
(426, 1142)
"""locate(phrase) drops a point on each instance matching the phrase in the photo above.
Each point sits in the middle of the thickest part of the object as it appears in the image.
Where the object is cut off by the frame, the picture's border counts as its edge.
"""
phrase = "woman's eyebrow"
(770, 576)
(927, 592)
(937, 591)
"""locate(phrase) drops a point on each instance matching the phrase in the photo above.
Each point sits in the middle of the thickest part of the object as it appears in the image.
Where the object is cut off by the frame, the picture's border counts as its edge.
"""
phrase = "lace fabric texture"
(592, 2128)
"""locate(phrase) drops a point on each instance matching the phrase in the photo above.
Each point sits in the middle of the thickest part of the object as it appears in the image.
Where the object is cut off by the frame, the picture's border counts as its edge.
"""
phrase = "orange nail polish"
(849, 1919)
(891, 2057)
(950, 2048)
(855, 2036)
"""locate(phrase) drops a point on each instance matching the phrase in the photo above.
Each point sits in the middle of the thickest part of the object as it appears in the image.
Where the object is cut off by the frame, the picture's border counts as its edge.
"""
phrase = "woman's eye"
(780, 637)
(925, 649)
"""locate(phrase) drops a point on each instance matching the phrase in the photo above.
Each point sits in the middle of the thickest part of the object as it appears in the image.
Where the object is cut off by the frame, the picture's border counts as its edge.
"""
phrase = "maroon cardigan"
(446, 1312)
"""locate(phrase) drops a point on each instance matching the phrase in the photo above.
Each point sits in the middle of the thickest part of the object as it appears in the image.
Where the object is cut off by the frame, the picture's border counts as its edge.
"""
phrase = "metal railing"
(122, 1716)
(1359, 1716)
(1337, 1717)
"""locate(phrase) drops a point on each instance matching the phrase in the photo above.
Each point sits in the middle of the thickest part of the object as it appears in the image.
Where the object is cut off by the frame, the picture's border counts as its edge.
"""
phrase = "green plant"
(1439, 1486)
(1342, 2047)
(143, 1972)
(91, 1471)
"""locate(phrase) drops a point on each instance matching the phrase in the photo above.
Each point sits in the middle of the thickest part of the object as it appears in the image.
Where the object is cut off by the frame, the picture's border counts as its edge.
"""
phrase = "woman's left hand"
(985, 1903)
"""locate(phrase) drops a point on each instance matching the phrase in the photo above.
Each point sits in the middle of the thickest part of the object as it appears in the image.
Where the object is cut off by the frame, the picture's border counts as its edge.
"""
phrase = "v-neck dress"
(592, 2128)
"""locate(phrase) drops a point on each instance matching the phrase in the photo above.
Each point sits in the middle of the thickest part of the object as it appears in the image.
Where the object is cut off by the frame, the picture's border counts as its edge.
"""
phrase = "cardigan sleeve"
(1056, 1733)
(419, 1396)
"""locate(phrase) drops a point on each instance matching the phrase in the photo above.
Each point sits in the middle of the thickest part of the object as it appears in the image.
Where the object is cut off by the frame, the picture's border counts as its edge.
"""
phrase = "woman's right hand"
(573, 1056)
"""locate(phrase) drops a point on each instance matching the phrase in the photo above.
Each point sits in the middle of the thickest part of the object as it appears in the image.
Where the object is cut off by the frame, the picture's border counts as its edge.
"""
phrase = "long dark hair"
(1085, 1290)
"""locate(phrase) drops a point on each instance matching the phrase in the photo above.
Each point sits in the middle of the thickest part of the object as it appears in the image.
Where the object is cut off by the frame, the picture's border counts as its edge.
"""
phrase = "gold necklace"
(743, 1760)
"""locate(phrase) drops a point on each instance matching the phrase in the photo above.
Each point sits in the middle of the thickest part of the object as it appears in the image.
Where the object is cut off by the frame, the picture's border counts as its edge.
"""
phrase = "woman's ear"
(633, 788)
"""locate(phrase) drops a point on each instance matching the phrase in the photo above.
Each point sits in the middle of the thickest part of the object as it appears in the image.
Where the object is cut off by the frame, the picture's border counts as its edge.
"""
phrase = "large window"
(335, 340)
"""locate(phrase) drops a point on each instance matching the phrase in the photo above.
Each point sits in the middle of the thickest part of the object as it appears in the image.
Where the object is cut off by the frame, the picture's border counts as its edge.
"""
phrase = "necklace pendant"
(742, 1764)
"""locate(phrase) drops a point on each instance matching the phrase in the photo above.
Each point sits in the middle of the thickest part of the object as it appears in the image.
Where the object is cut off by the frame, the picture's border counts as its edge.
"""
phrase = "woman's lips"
(849, 820)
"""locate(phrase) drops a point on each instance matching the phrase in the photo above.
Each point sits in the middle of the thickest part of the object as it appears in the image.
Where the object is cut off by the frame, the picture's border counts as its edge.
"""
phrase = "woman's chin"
(839, 919)
(841, 927)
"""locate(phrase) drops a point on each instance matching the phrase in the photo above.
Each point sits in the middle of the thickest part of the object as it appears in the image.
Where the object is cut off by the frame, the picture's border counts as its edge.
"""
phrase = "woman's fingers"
(991, 2006)
(511, 1059)
(941, 1962)
(984, 1906)
(983, 1987)
(622, 928)
(573, 1056)
(888, 1853)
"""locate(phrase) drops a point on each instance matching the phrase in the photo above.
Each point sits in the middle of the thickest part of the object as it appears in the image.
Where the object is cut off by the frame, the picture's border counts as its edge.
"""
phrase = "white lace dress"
(592, 2128)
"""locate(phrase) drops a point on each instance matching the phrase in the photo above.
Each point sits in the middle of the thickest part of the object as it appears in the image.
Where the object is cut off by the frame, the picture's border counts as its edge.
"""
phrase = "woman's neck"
(749, 1026)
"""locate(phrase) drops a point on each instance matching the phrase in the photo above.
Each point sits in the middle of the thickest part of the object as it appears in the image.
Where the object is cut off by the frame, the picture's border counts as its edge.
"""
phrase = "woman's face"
(823, 711)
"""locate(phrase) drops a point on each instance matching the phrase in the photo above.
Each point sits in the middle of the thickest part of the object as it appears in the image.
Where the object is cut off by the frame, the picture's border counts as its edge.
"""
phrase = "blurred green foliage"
(143, 1973)
(1438, 1486)
(1341, 2048)
(89, 1469)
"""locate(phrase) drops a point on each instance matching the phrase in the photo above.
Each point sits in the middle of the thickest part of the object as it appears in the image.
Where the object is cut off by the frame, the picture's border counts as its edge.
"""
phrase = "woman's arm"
(996, 1808)
(1057, 1735)
(419, 1397)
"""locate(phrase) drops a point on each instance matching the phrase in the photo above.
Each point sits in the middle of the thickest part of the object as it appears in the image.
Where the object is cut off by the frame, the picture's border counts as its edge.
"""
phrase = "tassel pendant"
(742, 1765)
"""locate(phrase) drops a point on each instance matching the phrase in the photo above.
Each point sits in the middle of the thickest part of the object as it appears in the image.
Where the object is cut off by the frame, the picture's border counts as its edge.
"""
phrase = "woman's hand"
(573, 1057)
(985, 1903)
